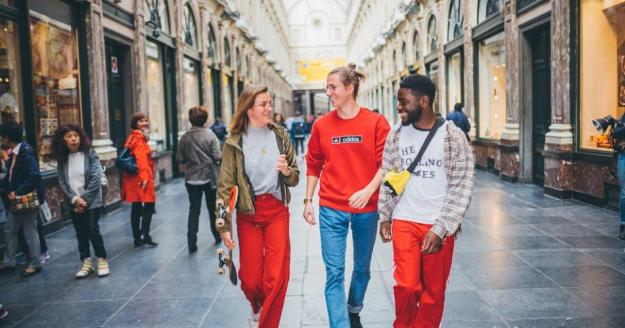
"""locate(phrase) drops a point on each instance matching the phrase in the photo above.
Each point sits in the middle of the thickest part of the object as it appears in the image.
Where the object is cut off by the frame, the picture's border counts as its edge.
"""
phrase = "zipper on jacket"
(247, 179)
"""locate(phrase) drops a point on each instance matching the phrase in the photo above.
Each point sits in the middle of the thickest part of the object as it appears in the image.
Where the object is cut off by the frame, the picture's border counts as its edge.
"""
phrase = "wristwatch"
(307, 200)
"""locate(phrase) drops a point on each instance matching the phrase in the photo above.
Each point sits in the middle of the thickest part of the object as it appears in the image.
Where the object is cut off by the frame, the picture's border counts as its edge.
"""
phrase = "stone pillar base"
(558, 156)
(104, 148)
(509, 152)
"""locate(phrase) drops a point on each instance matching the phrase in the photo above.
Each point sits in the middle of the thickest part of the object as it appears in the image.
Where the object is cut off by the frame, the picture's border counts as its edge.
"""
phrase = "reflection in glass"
(492, 87)
(191, 98)
(11, 107)
(56, 80)
(454, 81)
(156, 94)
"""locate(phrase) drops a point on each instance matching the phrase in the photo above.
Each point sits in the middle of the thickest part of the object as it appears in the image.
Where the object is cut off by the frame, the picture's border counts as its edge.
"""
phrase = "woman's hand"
(143, 184)
(11, 195)
(227, 239)
(283, 166)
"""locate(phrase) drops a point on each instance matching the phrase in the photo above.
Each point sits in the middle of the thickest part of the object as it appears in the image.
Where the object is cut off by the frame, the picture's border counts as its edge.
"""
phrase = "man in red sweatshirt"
(345, 152)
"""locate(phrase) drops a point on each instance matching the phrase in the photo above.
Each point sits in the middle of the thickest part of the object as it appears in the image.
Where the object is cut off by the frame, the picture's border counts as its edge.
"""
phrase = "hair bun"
(352, 66)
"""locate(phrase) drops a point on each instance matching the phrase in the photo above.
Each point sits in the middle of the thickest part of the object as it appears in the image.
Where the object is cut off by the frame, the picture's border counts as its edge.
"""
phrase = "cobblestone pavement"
(523, 260)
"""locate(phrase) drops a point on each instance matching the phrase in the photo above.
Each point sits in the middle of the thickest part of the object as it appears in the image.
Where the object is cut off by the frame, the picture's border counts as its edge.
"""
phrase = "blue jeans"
(334, 225)
(620, 173)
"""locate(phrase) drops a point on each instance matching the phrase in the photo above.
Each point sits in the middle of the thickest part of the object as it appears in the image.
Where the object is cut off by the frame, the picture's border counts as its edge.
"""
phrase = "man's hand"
(431, 243)
(360, 198)
(309, 214)
(227, 238)
(385, 231)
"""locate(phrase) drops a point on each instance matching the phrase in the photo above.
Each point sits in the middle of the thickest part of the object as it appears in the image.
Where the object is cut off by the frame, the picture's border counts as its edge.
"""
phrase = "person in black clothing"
(619, 135)
(460, 119)
(220, 130)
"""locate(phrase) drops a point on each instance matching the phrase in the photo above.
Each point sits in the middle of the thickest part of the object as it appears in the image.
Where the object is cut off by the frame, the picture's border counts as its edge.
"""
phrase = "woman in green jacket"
(258, 158)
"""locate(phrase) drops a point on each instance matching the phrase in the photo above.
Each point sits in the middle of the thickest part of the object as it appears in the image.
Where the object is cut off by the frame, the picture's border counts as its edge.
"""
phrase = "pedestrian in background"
(619, 135)
(460, 119)
(80, 178)
(345, 153)
(199, 152)
(259, 159)
(219, 129)
(138, 189)
(23, 179)
(278, 119)
(297, 132)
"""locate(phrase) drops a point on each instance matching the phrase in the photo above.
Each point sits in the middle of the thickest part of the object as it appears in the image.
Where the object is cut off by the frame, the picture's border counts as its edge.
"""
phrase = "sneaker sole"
(83, 277)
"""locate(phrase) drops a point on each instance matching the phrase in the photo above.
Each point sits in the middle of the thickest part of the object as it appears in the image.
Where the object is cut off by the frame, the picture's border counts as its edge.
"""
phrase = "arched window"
(394, 60)
(248, 68)
(156, 15)
(455, 20)
(227, 54)
(190, 30)
(416, 45)
(237, 59)
(487, 9)
(404, 58)
(432, 35)
(211, 50)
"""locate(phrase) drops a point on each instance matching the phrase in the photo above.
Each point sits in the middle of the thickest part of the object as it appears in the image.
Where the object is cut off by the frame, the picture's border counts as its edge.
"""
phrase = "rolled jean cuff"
(354, 308)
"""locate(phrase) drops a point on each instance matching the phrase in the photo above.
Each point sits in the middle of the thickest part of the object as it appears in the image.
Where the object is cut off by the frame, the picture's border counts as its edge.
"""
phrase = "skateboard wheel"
(221, 271)
(220, 222)
(220, 251)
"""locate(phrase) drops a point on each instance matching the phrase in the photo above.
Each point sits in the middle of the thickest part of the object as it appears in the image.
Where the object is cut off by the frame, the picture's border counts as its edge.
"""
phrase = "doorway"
(118, 75)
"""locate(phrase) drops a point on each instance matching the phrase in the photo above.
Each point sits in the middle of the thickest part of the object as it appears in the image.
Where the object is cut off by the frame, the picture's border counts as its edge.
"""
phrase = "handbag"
(127, 162)
(396, 181)
(26, 203)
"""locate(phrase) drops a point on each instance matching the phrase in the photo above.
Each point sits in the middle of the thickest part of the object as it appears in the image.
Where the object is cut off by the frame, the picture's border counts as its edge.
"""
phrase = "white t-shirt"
(76, 172)
(422, 199)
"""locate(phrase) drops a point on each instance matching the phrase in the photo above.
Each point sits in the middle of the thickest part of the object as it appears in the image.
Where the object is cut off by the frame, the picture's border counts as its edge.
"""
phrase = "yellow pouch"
(396, 181)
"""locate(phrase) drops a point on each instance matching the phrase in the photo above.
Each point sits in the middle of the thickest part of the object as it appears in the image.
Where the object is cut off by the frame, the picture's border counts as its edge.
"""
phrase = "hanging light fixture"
(155, 20)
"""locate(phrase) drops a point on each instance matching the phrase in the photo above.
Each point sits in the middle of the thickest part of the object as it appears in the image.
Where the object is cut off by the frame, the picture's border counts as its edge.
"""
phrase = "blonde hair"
(240, 120)
(349, 76)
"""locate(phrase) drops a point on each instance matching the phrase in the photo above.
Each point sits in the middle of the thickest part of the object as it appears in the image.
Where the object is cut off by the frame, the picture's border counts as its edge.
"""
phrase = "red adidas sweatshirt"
(346, 154)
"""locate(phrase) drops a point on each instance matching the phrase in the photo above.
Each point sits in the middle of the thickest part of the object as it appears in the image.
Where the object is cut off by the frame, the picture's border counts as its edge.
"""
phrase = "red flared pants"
(265, 252)
(420, 279)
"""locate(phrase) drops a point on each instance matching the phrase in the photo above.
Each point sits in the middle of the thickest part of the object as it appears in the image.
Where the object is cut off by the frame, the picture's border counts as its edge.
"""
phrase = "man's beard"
(413, 116)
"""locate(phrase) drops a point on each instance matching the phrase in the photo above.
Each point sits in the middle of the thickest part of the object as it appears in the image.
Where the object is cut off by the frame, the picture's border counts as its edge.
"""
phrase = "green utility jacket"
(233, 173)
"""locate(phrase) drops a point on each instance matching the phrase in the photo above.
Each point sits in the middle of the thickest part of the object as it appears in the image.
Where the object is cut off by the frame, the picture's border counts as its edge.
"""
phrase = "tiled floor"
(524, 260)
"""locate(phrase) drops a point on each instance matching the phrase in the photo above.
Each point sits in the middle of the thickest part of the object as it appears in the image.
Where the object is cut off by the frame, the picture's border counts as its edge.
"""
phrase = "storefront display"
(11, 107)
(156, 94)
(454, 81)
(227, 98)
(491, 87)
(56, 80)
(602, 68)
(210, 97)
(191, 97)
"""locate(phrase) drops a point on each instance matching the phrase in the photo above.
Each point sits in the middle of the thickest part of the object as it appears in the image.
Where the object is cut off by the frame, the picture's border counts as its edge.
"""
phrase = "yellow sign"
(316, 70)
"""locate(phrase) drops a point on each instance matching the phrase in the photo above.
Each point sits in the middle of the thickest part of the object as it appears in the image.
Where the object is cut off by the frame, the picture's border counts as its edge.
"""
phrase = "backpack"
(299, 129)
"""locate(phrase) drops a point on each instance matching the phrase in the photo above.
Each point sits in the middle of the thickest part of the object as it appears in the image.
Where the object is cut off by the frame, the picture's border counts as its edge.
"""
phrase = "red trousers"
(420, 279)
(265, 252)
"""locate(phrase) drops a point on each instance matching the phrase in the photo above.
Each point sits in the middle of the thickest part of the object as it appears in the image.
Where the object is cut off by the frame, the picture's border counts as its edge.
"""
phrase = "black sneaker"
(138, 242)
(3, 312)
(354, 320)
(192, 249)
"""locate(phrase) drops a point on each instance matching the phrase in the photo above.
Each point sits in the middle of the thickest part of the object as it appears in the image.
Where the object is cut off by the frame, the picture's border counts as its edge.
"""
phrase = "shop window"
(404, 58)
(432, 35)
(602, 69)
(488, 8)
(156, 94)
(56, 79)
(210, 96)
(237, 55)
(456, 19)
(190, 34)
(11, 106)
(454, 81)
(191, 70)
(492, 87)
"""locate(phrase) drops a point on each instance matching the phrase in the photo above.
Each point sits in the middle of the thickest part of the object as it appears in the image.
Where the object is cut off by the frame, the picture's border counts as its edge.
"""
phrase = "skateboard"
(225, 258)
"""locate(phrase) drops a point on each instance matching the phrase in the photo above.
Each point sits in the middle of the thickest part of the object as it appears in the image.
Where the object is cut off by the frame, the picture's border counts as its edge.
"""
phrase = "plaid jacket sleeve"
(386, 201)
(459, 163)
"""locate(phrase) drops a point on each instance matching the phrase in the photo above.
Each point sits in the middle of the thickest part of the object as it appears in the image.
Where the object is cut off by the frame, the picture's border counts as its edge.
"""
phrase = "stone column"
(469, 86)
(97, 83)
(509, 142)
(559, 140)
(138, 60)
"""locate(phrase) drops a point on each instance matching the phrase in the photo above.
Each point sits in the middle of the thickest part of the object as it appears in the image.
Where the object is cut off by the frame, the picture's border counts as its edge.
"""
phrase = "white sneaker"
(103, 267)
(86, 269)
(254, 319)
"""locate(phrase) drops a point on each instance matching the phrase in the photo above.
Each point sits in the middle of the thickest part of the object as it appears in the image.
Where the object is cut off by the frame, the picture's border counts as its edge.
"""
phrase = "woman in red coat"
(138, 189)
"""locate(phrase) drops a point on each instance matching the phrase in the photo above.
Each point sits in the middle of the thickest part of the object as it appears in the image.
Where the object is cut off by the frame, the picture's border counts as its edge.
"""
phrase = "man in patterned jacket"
(424, 221)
